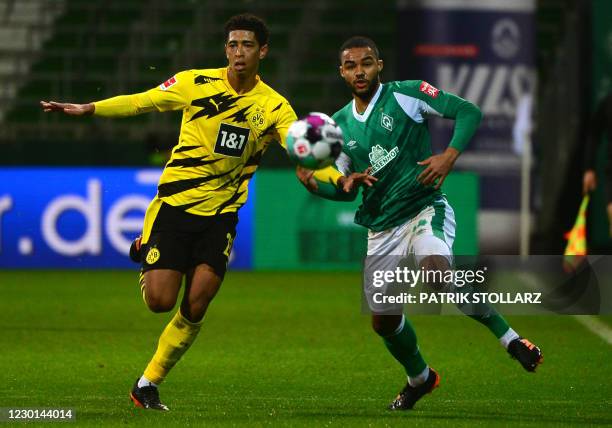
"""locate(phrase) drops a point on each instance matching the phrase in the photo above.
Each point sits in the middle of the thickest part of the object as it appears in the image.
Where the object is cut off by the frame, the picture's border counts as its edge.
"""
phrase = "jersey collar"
(231, 88)
(363, 117)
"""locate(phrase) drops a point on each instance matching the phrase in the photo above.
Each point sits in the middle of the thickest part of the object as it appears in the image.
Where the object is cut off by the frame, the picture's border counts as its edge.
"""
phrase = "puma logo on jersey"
(214, 104)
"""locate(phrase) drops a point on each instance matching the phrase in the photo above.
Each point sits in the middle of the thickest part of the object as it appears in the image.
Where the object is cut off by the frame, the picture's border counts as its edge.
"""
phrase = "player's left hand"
(438, 167)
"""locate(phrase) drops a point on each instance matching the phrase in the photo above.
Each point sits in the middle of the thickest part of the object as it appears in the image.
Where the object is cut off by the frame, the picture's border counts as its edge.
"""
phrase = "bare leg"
(161, 288)
(201, 287)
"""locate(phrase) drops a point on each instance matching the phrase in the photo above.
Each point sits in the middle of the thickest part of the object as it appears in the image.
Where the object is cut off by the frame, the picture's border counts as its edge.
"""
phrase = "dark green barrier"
(296, 230)
(599, 237)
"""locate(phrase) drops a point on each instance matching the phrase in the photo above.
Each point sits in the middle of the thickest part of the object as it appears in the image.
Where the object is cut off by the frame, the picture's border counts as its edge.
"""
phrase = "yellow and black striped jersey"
(223, 136)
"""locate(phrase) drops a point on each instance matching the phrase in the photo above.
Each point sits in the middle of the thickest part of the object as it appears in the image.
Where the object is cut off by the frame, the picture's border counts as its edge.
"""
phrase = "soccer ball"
(314, 141)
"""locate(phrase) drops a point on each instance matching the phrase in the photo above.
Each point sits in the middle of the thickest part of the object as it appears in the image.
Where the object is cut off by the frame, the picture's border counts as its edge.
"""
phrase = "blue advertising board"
(84, 217)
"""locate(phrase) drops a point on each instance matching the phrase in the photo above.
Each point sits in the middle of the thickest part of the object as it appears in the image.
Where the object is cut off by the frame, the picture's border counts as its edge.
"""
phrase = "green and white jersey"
(391, 136)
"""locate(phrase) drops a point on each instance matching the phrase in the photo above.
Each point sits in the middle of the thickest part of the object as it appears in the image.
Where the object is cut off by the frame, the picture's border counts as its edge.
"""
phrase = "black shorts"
(180, 241)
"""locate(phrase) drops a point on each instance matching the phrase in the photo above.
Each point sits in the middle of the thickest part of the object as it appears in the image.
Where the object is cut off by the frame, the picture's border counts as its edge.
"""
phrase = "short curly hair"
(248, 22)
(359, 42)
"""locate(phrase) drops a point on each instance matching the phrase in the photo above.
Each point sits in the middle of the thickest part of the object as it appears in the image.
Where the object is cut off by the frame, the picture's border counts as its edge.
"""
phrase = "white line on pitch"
(591, 322)
(596, 326)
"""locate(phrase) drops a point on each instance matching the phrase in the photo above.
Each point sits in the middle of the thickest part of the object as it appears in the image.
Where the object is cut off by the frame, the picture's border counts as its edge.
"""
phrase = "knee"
(439, 265)
(386, 325)
(435, 263)
(160, 289)
(159, 304)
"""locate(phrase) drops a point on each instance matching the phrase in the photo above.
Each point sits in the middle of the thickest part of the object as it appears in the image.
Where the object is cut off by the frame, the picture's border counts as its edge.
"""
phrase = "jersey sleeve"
(171, 95)
(167, 96)
(285, 117)
(435, 102)
(344, 164)
(327, 175)
(334, 193)
(124, 105)
(327, 182)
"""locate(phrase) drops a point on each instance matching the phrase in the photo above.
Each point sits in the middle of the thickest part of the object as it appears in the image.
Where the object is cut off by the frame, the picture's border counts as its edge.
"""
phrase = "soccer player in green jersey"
(407, 216)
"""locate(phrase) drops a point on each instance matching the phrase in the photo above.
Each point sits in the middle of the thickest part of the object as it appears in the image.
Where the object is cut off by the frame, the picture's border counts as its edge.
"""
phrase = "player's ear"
(341, 70)
(380, 65)
(263, 51)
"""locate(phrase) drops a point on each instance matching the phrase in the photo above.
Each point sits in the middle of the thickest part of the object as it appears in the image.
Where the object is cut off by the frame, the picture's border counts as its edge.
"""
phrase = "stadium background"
(72, 192)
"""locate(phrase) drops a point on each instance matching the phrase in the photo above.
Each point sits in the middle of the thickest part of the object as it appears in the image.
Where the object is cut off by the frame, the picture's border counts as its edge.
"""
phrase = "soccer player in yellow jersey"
(230, 117)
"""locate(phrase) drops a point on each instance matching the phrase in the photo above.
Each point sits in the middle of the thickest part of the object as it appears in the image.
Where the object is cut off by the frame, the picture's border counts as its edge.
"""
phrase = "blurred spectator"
(9, 6)
(601, 124)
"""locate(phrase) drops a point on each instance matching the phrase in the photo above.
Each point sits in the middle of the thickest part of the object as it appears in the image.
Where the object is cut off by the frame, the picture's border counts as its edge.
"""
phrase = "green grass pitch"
(281, 349)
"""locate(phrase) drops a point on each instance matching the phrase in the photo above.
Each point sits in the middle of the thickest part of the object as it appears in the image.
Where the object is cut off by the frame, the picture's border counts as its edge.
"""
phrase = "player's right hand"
(356, 179)
(306, 178)
(589, 181)
(68, 108)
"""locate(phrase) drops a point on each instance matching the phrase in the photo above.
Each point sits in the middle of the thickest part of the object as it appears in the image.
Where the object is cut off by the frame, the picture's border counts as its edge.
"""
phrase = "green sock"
(403, 346)
(484, 314)
(494, 322)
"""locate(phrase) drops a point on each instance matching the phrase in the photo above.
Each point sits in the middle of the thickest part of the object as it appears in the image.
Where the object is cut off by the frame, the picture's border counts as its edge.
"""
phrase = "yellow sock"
(174, 341)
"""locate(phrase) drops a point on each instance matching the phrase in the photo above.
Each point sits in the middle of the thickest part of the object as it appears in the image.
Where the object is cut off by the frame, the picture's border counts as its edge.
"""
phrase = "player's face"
(243, 52)
(359, 68)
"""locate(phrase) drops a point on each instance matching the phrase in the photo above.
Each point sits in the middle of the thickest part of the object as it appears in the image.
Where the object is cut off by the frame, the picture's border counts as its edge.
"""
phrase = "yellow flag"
(576, 248)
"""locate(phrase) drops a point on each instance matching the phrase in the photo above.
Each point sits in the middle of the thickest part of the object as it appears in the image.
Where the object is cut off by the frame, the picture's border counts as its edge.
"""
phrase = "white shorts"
(431, 232)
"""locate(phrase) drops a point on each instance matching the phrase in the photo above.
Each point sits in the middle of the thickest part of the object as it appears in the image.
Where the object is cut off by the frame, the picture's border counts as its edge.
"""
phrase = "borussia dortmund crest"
(258, 118)
(152, 255)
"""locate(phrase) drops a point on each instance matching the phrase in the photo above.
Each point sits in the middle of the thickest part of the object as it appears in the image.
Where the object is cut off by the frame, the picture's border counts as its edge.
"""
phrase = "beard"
(367, 93)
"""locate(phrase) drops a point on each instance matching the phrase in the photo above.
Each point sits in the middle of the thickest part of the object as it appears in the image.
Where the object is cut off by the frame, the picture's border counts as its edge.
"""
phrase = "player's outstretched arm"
(338, 187)
(68, 108)
(170, 95)
(153, 100)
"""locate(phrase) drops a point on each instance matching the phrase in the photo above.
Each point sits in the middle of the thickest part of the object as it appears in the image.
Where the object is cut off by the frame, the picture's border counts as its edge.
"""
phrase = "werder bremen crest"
(386, 121)
(379, 157)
